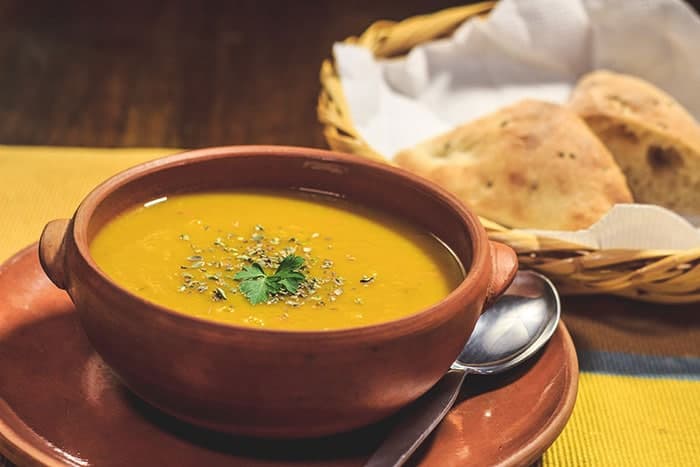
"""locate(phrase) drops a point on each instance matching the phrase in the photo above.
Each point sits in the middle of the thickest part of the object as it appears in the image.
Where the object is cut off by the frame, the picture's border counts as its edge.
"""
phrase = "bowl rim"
(477, 276)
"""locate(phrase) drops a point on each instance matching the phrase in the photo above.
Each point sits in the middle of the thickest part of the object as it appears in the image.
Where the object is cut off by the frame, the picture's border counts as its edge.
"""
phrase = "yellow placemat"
(631, 421)
(38, 184)
(639, 393)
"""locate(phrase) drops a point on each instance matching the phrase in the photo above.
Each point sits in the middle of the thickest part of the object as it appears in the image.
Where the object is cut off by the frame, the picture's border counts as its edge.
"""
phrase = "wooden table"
(179, 73)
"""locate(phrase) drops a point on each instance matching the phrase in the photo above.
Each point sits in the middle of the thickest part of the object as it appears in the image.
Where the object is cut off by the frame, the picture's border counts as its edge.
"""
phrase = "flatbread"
(529, 165)
(654, 140)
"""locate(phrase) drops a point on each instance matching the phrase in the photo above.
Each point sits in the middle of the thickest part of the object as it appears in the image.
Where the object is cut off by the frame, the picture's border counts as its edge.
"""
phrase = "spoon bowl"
(512, 329)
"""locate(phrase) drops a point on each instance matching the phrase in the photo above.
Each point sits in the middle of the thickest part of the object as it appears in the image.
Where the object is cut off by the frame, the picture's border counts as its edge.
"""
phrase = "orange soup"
(276, 260)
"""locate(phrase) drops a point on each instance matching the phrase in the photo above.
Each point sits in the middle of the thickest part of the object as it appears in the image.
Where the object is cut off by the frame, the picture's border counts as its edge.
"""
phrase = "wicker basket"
(651, 275)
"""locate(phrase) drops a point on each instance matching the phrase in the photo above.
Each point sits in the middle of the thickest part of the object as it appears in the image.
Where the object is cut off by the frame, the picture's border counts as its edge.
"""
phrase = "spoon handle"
(417, 421)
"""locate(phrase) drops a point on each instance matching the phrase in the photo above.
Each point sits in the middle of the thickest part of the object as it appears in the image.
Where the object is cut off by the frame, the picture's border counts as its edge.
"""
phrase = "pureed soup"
(275, 260)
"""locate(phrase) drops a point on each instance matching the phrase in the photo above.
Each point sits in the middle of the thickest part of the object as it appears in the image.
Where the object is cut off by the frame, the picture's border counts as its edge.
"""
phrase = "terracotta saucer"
(60, 405)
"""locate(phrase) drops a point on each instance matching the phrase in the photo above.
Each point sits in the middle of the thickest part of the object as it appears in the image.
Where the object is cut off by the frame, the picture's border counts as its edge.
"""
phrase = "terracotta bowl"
(273, 383)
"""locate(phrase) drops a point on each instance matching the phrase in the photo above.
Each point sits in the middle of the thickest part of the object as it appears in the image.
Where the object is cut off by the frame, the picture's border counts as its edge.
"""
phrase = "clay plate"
(60, 405)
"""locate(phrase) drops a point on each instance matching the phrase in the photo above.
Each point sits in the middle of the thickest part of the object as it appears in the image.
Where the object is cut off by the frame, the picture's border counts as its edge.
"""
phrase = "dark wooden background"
(179, 73)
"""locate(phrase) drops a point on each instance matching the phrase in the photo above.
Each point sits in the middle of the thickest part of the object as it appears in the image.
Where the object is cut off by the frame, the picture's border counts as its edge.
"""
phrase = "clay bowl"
(263, 382)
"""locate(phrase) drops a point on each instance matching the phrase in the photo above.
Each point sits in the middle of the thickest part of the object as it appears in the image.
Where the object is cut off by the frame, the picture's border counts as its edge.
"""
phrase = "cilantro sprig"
(258, 286)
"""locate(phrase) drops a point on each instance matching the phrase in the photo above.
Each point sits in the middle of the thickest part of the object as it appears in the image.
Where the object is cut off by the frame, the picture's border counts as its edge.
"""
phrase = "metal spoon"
(510, 331)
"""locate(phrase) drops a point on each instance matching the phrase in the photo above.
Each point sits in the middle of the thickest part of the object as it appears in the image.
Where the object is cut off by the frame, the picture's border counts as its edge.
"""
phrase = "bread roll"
(654, 140)
(529, 165)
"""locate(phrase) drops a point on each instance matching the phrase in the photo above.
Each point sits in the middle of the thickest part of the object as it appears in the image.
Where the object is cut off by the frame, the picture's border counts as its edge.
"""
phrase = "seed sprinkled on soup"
(278, 260)
(263, 269)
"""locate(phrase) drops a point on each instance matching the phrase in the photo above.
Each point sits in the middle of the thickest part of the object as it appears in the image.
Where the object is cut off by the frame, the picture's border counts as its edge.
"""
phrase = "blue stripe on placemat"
(652, 366)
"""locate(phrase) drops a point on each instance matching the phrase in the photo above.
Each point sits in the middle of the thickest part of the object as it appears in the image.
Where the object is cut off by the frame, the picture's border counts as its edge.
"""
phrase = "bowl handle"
(505, 265)
(52, 251)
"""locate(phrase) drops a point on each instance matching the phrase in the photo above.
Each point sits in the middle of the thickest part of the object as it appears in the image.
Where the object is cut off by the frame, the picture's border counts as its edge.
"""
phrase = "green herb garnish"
(258, 287)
